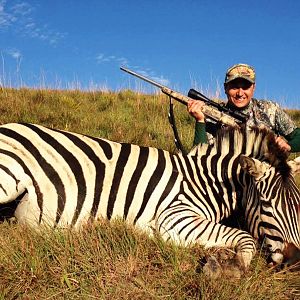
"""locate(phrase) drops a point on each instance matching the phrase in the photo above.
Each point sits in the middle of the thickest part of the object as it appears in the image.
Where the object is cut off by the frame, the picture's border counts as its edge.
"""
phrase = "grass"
(112, 260)
(124, 116)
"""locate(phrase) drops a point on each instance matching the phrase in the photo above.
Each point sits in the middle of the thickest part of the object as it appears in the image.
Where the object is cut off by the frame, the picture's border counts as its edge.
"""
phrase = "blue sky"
(182, 44)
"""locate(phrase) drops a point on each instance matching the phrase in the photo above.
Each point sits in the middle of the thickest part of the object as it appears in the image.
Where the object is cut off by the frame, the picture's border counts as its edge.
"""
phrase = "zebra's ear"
(252, 166)
(295, 165)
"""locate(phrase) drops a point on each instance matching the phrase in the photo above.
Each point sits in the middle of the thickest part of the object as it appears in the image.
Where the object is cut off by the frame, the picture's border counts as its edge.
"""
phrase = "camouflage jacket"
(268, 113)
(261, 113)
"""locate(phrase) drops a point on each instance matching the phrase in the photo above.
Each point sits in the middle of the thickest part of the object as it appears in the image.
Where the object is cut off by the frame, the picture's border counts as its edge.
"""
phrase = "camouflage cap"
(240, 71)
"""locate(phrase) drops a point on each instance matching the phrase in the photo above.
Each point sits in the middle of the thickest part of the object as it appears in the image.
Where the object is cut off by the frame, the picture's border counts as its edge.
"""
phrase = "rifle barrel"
(142, 77)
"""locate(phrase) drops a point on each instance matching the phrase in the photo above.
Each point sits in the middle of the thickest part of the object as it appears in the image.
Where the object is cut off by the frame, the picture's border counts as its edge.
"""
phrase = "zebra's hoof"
(232, 269)
(223, 265)
(212, 268)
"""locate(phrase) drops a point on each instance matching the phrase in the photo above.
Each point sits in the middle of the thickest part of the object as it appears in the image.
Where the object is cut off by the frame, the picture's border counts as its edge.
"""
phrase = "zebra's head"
(277, 206)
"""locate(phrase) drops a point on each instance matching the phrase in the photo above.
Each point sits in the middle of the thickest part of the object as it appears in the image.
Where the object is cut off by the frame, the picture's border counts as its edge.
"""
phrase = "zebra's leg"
(28, 211)
(186, 227)
(12, 187)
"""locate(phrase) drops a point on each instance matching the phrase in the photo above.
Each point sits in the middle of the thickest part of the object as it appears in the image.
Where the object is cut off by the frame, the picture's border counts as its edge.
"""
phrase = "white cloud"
(14, 53)
(101, 58)
(151, 75)
(22, 9)
(6, 18)
(122, 61)
(20, 18)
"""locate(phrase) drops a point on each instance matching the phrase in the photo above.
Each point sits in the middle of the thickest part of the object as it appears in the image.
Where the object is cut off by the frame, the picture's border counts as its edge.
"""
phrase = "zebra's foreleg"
(28, 212)
(185, 227)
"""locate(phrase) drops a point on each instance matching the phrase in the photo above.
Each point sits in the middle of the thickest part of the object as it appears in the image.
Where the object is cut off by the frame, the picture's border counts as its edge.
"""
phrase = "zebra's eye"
(266, 204)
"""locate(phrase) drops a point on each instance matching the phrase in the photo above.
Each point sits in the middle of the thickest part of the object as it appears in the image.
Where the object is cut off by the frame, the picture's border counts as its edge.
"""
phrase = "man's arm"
(294, 140)
(200, 134)
(285, 126)
(195, 109)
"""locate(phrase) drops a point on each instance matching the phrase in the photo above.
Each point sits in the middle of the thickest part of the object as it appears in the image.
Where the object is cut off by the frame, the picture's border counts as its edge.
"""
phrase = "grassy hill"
(114, 261)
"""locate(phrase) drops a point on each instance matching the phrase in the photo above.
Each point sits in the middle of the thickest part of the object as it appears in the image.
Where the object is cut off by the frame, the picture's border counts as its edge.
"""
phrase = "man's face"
(239, 92)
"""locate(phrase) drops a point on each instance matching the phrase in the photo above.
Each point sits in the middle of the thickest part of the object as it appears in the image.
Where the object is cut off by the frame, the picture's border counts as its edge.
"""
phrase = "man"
(239, 87)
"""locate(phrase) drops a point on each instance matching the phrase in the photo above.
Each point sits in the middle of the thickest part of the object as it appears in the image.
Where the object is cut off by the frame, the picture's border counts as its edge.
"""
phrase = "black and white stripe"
(70, 179)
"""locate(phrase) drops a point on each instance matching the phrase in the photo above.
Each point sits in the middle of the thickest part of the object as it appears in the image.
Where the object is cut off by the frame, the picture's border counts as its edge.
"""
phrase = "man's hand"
(194, 108)
(282, 143)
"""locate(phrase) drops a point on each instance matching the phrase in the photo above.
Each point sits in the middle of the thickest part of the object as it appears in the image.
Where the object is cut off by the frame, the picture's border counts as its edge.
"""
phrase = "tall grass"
(125, 116)
(113, 260)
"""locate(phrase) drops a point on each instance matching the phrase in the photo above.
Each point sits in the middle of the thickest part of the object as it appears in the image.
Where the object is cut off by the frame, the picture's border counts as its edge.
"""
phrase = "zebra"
(68, 179)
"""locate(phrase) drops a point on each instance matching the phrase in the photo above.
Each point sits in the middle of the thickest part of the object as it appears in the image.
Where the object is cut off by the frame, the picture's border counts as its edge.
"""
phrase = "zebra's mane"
(256, 142)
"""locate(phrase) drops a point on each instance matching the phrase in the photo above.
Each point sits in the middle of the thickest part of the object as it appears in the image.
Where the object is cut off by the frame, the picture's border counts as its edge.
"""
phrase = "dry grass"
(125, 116)
(114, 261)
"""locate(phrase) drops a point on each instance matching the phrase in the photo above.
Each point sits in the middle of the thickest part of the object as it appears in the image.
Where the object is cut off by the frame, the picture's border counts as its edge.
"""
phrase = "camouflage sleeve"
(284, 125)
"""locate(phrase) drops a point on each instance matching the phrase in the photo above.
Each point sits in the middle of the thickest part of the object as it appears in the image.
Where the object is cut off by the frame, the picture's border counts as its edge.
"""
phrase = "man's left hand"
(283, 144)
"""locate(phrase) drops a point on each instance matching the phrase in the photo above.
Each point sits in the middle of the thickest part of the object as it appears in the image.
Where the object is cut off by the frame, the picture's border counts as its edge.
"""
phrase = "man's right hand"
(194, 108)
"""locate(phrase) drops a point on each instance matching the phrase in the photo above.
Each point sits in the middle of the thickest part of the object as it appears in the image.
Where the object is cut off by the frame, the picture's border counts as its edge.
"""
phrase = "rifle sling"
(171, 117)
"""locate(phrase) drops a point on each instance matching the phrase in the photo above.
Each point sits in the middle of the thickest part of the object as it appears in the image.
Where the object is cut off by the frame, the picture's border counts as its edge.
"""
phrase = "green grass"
(112, 260)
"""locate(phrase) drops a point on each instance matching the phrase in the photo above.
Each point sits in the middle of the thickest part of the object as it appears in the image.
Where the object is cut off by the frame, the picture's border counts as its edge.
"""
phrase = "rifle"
(211, 109)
